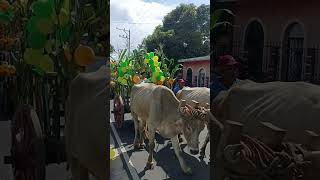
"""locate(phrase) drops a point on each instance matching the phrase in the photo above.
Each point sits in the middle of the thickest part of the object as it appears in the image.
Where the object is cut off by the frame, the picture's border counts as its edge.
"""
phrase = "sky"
(141, 17)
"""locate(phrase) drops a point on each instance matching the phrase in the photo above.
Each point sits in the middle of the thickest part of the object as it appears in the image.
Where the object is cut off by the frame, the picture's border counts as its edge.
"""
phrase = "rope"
(269, 163)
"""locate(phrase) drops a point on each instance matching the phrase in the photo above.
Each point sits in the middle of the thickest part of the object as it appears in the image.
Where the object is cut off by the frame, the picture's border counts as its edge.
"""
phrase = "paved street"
(167, 165)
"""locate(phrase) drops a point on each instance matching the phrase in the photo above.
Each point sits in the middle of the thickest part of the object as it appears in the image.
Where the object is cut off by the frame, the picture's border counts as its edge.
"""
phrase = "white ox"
(86, 125)
(293, 106)
(160, 110)
(201, 95)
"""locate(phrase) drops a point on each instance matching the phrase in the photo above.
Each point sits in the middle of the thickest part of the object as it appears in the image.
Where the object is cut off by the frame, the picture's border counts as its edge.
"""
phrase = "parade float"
(152, 67)
(47, 48)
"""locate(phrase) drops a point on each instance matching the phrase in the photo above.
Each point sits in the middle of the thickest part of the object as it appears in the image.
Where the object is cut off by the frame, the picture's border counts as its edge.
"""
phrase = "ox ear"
(195, 104)
(183, 103)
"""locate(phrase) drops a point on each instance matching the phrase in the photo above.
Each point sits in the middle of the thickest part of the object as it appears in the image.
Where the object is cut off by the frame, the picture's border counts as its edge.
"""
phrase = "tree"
(184, 33)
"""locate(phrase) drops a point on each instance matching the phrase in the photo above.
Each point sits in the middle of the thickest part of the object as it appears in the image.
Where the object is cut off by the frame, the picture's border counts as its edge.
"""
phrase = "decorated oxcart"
(48, 36)
(152, 67)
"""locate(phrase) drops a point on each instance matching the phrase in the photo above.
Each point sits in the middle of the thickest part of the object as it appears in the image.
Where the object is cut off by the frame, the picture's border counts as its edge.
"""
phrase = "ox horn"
(232, 153)
(182, 103)
(196, 104)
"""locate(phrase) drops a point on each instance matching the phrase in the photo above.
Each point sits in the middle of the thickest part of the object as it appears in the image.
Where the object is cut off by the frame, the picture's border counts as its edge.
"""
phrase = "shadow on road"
(167, 165)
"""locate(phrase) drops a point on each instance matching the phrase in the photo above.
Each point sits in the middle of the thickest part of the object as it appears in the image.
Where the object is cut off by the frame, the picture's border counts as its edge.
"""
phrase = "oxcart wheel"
(28, 152)
(119, 118)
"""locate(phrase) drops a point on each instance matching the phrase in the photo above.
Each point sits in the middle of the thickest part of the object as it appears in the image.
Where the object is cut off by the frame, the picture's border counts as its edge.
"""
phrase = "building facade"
(278, 39)
(196, 71)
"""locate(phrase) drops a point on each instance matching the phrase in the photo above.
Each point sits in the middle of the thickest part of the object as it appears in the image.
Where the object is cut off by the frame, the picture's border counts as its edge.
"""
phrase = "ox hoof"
(142, 145)
(150, 166)
(137, 147)
(187, 171)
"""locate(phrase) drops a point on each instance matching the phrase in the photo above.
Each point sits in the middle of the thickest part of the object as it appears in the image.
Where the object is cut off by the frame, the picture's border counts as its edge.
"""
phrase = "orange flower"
(136, 79)
(159, 83)
(84, 55)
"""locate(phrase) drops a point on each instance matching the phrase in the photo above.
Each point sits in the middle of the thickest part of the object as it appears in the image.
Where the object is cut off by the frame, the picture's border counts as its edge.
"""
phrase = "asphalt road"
(167, 165)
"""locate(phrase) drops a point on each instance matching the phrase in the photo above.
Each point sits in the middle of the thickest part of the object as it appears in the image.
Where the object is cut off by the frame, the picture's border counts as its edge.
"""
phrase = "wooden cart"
(36, 129)
(121, 106)
(266, 155)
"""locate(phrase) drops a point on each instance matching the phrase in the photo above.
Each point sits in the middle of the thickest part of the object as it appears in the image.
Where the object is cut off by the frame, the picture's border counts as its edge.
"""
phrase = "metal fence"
(276, 62)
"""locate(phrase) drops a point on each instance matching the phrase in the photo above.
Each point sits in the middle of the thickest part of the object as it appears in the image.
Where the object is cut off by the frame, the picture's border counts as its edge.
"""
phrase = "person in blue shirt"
(226, 76)
(178, 76)
(179, 85)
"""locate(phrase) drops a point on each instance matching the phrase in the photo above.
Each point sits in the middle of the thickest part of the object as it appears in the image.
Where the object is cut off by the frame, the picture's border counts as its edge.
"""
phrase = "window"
(292, 65)
(195, 80)
(201, 81)
(189, 77)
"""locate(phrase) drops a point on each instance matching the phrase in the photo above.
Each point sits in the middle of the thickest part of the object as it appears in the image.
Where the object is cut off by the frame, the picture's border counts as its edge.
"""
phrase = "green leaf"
(44, 25)
(96, 20)
(122, 54)
(42, 8)
(151, 54)
(64, 17)
(38, 71)
(31, 24)
(46, 64)
(66, 4)
(48, 46)
(66, 32)
(4, 18)
(36, 40)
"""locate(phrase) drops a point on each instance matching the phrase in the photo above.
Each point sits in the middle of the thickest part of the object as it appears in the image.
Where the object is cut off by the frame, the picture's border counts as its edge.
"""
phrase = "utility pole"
(127, 36)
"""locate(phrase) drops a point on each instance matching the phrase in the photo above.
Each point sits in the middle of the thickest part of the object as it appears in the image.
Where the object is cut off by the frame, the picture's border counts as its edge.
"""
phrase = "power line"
(125, 22)
(119, 22)
(126, 37)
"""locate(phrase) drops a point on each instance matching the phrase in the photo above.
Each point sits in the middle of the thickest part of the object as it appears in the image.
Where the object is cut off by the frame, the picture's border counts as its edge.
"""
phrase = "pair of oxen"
(293, 106)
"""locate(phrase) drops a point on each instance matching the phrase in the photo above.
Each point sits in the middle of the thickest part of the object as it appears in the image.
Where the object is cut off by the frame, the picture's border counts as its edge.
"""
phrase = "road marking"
(133, 171)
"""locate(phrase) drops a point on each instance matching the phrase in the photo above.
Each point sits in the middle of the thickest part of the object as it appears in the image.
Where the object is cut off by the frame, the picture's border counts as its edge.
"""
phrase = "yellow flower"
(155, 58)
(112, 154)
